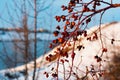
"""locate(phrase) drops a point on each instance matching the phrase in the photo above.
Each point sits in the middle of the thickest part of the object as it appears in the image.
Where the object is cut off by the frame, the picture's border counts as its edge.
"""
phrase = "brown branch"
(35, 35)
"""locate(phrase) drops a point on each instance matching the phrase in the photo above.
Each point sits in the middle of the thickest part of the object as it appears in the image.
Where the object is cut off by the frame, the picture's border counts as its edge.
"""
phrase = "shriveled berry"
(62, 60)
(61, 40)
(104, 50)
(55, 41)
(96, 56)
(79, 47)
(54, 75)
(66, 60)
(67, 22)
(70, 10)
(63, 17)
(63, 7)
(73, 23)
(99, 59)
(47, 75)
(58, 27)
(112, 41)
(56, 33)
(58, 18)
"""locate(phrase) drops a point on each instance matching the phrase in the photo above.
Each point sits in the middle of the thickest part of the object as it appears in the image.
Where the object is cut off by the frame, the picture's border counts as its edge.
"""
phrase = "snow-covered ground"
(84, 59)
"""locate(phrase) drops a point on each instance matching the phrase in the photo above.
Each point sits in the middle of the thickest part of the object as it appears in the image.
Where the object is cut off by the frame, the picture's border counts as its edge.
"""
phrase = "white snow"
(83, 58)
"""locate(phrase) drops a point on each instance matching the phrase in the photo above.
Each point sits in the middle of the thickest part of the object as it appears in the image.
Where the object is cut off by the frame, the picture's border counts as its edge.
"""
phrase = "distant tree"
(24, 15)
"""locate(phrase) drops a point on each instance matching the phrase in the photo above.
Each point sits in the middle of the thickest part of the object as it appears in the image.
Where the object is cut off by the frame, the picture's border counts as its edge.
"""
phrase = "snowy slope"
(84, 58)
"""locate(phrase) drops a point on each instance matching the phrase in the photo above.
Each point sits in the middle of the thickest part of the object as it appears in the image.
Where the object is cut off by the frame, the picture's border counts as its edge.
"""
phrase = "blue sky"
(45, 17)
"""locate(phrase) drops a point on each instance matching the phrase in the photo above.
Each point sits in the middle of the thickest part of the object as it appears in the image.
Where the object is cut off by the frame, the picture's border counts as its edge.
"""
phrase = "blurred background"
(18, 29)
